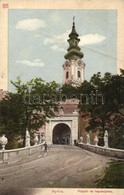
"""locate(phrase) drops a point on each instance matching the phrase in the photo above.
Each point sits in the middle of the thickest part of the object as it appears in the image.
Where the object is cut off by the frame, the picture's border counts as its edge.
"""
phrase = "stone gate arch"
(61, 134)
(70, 121)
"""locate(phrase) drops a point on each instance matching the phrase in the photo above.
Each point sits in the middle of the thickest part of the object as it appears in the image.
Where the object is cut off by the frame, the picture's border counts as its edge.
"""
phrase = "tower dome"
(73, 52)
(74, 65)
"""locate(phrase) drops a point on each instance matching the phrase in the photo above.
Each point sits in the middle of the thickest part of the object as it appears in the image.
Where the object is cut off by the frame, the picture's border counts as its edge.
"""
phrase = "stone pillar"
(74, 128)
(3, 141)
(27, 139)
(49, 131)
(36, 139)
(106, 139)
(88, 138)
(96, 140)
(80, 140)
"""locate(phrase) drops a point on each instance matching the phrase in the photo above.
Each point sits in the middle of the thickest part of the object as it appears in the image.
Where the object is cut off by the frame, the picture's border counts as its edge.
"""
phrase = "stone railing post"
(27, 139)
(36, 139)
(88, 138)
(96, 140)
(106, 139)
(3, 141)
(80, 140)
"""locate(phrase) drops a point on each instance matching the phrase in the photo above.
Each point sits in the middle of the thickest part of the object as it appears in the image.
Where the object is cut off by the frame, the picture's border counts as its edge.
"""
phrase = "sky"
(38, 42)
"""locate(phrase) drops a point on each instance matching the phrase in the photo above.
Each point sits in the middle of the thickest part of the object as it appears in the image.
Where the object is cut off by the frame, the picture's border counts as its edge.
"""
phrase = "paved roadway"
(62, 166)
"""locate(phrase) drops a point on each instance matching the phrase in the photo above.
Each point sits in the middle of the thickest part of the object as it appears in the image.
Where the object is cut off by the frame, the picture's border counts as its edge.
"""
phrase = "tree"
(27, 108)
(68, 92)
(105, 100)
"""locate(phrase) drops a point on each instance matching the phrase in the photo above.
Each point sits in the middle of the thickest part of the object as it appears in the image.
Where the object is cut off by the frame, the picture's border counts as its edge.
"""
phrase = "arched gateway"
(62, 130)
(61, 134)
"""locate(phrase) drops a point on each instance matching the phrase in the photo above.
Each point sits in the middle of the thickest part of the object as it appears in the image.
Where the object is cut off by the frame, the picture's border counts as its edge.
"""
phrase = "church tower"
(74, 65)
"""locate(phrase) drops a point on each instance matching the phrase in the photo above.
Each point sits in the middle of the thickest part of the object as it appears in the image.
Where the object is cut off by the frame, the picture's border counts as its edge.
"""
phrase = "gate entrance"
(61, 134)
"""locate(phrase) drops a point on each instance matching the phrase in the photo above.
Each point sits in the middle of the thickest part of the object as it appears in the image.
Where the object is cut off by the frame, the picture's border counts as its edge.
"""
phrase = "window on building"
(67, 75)
(79, 74)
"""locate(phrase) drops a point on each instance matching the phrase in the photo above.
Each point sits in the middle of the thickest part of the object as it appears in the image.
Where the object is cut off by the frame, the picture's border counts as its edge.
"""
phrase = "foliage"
(116, 132)
(113, 176)
(104, 104)
(102, 100)
(68, 92)
(28, 107)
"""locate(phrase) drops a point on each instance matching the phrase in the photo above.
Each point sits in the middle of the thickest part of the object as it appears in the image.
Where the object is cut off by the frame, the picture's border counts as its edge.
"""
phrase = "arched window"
(67, 75)
(79, 74)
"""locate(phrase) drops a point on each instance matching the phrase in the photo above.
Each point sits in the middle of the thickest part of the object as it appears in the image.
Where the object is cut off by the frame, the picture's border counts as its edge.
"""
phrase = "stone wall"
(103, 151)
(9, 156)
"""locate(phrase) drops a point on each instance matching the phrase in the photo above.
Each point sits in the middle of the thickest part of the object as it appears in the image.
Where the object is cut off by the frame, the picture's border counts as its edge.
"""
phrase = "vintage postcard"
(66, 42)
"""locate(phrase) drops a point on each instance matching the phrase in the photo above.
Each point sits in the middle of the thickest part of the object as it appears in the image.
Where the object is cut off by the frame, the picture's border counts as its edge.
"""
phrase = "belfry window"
(79, 74)
(67, 75)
